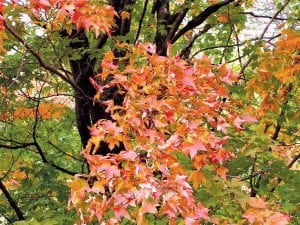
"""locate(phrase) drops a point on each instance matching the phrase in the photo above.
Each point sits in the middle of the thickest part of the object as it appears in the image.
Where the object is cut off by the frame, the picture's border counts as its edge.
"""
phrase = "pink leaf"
(121, 212)
(148, 208)
(237, 122)
(226, 80)
(248, 118)
(278, 219)
(193, 148)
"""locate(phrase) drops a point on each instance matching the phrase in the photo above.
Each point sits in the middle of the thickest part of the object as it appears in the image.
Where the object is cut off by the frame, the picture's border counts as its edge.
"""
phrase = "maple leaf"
(223, 19)
(222, 171)
(254, 215)
(197, 178)
(169, 208)
(188, 81)
(257, 203)
(110, 170)
(80, 3)
(121, 212)
(96, 85)
(278, 219)
(238, 122)
(78, 188)
(201, 212)
(148, 207)
(222, 125)
(99, 187)
(194, 147)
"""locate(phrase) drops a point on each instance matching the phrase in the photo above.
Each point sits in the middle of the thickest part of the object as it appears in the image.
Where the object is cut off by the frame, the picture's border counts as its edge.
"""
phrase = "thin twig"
(264, 32)
(189, 45)
(16, 146)
(233, 45)
(227, 43)
(262, 16)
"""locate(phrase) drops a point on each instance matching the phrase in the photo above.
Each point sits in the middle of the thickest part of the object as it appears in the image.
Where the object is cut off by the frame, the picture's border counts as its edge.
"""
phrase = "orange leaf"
(222, 171)
(257, 203)
(197, 178)
(223, 19)
(125, 15)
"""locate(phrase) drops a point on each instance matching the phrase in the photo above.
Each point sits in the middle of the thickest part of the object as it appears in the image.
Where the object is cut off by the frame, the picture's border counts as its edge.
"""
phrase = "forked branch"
(199, 19)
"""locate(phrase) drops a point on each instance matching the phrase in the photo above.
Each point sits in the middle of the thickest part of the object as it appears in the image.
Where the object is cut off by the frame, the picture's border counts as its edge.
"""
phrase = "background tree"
(87, 74)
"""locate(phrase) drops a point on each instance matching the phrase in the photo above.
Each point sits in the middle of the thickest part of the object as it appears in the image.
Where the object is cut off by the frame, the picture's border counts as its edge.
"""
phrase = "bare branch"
(16, 146)
(189, 45)
(262, 16)
(294, 160)
(63, 152)
(235, 45)
(227, 43)
(178, 19)
(199, 19)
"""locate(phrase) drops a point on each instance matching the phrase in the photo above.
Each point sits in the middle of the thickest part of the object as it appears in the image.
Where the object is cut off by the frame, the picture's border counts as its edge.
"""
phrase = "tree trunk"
(87, 111)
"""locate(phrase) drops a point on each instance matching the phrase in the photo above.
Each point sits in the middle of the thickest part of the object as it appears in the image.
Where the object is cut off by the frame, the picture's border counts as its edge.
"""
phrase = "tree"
(166, 112)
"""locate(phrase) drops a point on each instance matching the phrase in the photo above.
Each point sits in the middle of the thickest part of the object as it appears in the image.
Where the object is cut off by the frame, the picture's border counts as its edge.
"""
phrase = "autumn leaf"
(194, 147)
(222, 171)
(125, 15)
(257, 203)
(223, 19)
(197, 178)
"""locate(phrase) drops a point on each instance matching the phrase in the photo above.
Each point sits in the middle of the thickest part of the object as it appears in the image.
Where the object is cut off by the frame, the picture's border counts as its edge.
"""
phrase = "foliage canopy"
(149, 112)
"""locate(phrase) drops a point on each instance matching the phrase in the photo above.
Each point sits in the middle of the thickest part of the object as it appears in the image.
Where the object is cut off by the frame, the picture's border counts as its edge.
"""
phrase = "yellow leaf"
(99, 185)
(125, 15)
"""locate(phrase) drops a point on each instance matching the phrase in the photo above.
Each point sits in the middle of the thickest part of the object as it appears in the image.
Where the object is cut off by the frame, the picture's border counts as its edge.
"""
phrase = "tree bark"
(87, 111)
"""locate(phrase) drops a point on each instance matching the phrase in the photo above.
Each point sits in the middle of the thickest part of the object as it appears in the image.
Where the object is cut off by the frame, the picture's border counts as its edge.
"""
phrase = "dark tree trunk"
(87, 111)
(162, 16)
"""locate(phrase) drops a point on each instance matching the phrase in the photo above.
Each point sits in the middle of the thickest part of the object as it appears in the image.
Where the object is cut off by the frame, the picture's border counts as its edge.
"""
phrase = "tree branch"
(39, 149)
(199, 19)
(64, 153)
(44, 65)
(262, 16)
(294, 160)
(234, 45)
(16, 146)
(184, 52)
(238, 45)
(252, 187)
(278, 125)
(264, 32)
(141, 21)
(176, 23)
(226, 45)
(11, 202)
(162, 27)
